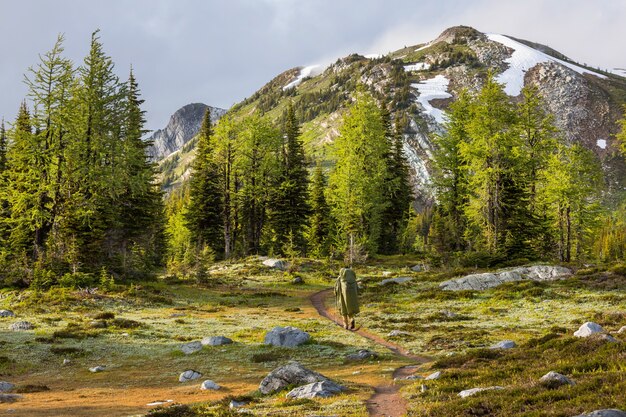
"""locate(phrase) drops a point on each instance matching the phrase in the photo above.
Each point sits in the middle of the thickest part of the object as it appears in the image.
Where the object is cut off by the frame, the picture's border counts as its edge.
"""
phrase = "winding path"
(386, 400)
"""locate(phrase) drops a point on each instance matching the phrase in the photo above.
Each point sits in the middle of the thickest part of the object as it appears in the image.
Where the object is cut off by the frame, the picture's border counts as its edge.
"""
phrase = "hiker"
(347, 296)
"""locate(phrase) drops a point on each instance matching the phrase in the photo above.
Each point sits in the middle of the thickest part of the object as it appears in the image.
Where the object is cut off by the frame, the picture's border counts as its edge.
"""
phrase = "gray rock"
(588, 329)
(7, 313)
(398, 333)
(236, 404)
(209, 385)
(6, 386)
(505, 344)
(622, 330)
(362, 355)
(418, 268)
(323, 389)
(189, 375)
(297, 281)
(487, 280)
(216, 341)
(386, 274)
(449, 314)
(605, 337)
(604, 413)
(19, 326)
(98, 324)
(191, 347)
(410, 378)
(276, 264)
(286, 337)
(98, 368)
(291, 374)
(433, 376)
(66, 362)
(469, 392)
(9, 398)
(396, 280)
(554, 380)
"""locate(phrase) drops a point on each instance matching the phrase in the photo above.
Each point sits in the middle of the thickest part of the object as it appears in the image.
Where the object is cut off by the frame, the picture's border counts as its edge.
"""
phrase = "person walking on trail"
(347, 296)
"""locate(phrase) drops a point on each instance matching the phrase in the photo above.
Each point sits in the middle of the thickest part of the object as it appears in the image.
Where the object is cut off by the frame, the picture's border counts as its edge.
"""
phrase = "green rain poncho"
(347, 293)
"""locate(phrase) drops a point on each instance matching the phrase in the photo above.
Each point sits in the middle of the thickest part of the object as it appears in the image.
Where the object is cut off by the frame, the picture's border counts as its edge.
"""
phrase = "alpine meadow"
(437, 230)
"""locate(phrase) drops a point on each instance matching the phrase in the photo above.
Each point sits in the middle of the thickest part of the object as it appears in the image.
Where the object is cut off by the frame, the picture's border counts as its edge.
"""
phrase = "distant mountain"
(182, 127)
(421, 81)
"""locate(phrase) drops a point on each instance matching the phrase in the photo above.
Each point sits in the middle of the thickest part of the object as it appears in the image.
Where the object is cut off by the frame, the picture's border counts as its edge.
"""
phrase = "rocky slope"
(182, 127)
(421, 80)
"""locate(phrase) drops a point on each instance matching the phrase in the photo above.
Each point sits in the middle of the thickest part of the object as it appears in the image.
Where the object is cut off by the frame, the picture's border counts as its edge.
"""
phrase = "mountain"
(184, 124)
(420, 81)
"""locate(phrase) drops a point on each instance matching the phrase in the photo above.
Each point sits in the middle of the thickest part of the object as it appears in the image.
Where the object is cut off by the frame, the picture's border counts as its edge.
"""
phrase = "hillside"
(421, 80)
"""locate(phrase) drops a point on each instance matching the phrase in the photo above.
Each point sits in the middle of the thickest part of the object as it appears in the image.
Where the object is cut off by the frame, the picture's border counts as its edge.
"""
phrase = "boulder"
(433, 376)
(554, 380)
(469, 392)
(21, 326)
(7, 313)
(276, 264)
(191, 347)
(9, 398)
(487, 280)
(6, 386)
(216, 341)
(396, 280)
(605, 413)
(588, 329)
(286, 337)
(189, 375)
(98, 368)
(505, 344)
(362, 355)
(209, 385)
(323, 389)
(291, 374)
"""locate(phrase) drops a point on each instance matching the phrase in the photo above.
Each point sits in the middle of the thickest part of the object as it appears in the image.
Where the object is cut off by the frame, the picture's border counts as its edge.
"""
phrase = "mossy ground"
(136, 333)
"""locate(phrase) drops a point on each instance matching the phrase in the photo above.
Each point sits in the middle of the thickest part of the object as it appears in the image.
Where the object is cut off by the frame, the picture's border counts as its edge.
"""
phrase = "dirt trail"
(386, 401)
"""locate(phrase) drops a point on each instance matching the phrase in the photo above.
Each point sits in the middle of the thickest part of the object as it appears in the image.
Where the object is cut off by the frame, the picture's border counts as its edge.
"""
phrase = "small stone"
(216, 341)
(286, 337)
(605, 413)
(98, 368)
(9, 398)
(386, 274)
(191, 347)
(297, 281)
(276, 264)
(159, 402)
(417, 268)
(361, 355)
(189, 375)
(125, 335)
(6, 386)
(588, 329)
(469, 392)
(21, 326)
(322, 389)
(423, 388)
(505, 344)
(236, 404)
(174, 315)
(7, 313)
(554, 380)
(449, 314)
(98, 324)
(433, 376)
(209, 385)
(622, 330)
(411, 378)
(398, 333)
(66, 361)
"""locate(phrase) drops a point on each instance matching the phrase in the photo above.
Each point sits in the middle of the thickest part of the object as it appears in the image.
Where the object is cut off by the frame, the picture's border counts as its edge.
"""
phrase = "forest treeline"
(80, 204)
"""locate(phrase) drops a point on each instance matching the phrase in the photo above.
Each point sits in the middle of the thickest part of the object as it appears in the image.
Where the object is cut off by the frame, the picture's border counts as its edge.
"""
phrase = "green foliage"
(318, 231)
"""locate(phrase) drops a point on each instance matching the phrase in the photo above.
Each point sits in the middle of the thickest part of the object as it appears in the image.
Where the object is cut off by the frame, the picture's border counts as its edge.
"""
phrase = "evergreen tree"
(204, 210)
(3, 148)
(319, 224)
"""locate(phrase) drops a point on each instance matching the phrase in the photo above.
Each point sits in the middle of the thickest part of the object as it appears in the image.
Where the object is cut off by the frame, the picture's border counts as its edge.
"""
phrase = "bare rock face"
(605, 413)
(182, 127)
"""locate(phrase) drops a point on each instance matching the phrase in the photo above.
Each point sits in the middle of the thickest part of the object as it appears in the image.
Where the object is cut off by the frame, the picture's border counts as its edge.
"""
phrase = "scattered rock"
(487, 280)
(505, 344)
(9, 398)
(469, 392)
(174, 315)
(6, 386)
(605, 413)
(410, 378)
(605, 337)
(291, 374)
(191, 347)
(236, 404)
(189, 375)
(7, 313)
(396, 280)
(386, 273)
(433, 376)
(286, 337)
(209, 385)
(362, 355)
(297, 281)
(323, 389)
(159, 402)
(417, 268)
(66, 362)
(276, 264)
(449, 314)
(216, 341)
(21, 326)
(98, 324)
(98, 368)
(398, 333)
(588, 329)
(554, 380)
(622, 330)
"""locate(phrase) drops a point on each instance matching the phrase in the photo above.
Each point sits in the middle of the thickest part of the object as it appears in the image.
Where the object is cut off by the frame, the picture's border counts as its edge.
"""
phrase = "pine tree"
(204, 210)
(318, 230)
(3, 148)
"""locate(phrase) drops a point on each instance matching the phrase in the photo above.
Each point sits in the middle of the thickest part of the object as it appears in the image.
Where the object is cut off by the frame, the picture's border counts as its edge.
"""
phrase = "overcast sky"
(219, 52)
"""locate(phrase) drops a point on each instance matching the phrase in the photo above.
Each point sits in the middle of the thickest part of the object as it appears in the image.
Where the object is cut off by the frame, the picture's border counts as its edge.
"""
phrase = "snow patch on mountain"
(619, 71)
(524, 58)
(310, 71)
(434, 88)
(418, 66)
(374, 56)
